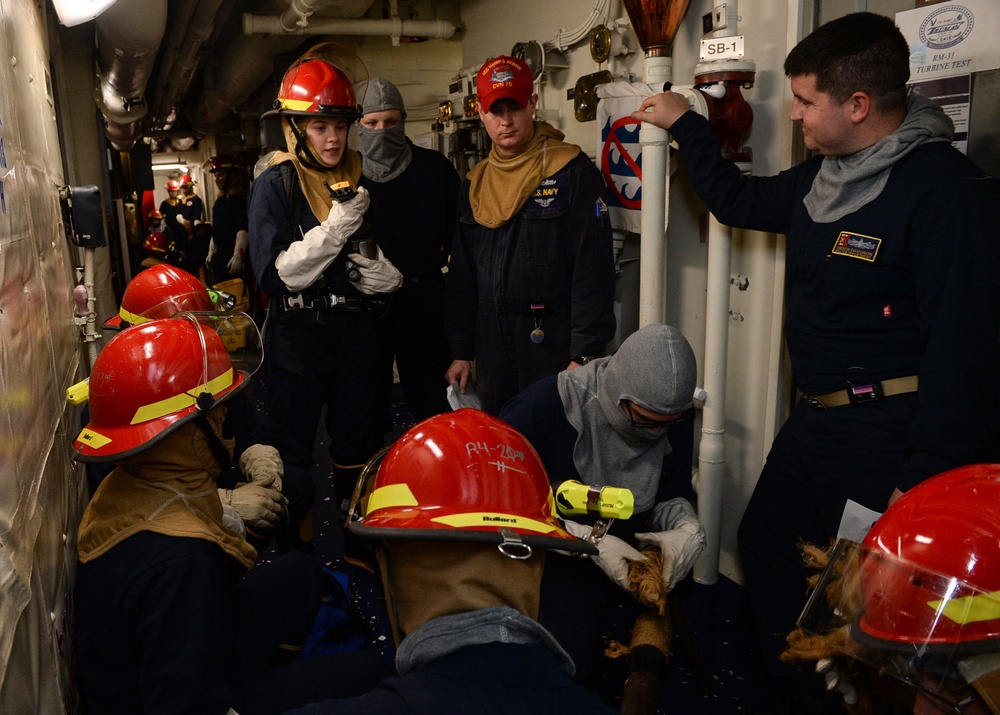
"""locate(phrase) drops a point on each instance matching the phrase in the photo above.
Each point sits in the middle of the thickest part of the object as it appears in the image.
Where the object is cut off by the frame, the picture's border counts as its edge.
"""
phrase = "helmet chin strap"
(302, 149)
(219, 449)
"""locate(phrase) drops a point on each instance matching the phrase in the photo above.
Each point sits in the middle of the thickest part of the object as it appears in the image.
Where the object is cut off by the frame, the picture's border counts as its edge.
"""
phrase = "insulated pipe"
(248, 61)
(186, 60)
(128, 36)
(712, 447)
(652, 232)
(393, 27)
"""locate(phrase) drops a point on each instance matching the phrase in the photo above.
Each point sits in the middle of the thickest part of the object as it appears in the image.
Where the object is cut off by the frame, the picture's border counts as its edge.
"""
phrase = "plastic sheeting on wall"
(41, 494)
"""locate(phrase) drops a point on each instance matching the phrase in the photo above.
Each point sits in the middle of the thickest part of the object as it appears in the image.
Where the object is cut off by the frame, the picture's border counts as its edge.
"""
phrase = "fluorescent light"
(170, 167)
(73, 12)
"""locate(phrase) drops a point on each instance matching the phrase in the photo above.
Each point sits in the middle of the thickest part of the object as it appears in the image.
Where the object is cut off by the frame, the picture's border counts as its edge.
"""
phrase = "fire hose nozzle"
(573, 497)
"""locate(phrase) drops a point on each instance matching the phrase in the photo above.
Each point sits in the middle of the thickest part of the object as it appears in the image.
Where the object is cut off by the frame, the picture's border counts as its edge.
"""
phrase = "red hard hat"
(313, 86)
(160, 291)
(186, 179)
(324, 81)
(930, 567)
(157, 241)
(464, 476)
(148, 381)
(224, 162)
(173, 185)
(156, 214)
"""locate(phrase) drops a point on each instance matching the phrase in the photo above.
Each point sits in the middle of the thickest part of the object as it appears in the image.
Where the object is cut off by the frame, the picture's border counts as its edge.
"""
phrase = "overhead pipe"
(247, 62)
(297, 15)
(181, 21)
(392, 27)
(202, 24)
(129, 34)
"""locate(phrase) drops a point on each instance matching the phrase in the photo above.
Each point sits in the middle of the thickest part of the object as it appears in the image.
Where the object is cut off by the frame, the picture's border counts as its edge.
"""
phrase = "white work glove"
(378, 275)
(261, 464)
(836, 678)
(261, 508)
(304, 261)
(235, 264)
(211, 252)
(614, 554)
(232, 521)
(681, 540)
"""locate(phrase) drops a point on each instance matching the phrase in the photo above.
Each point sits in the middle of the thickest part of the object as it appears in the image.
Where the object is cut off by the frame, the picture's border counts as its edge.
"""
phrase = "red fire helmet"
(159, 292)
(148, 381)
(327, 80)
(930, 567)
(316, 87)
(464, 476)
(157, 242)
(224, 162)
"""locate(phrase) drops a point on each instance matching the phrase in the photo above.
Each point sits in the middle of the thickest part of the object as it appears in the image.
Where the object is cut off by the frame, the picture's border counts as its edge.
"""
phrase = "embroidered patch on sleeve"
(856, 245)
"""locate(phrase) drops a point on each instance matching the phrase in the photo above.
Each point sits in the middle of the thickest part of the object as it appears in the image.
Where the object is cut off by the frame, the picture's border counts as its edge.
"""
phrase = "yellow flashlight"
(572, 497)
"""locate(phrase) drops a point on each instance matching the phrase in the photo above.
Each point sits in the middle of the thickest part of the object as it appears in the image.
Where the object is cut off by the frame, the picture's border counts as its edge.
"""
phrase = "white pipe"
(393, 27)
(653, 220)
(91, 334)
(563, 39)
(297, 15)
(712, 448)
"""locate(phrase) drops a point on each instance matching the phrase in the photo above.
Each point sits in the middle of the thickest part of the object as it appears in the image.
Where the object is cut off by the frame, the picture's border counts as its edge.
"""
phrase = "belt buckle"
(859, 394)
(291, 302)
(814, 402)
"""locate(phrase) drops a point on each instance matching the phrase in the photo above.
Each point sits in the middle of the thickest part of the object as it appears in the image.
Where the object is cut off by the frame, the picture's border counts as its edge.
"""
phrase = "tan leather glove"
(261, 508)
(261, 464)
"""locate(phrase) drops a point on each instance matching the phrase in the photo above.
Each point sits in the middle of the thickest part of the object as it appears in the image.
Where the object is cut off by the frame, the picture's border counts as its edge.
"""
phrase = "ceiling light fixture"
(74, 12)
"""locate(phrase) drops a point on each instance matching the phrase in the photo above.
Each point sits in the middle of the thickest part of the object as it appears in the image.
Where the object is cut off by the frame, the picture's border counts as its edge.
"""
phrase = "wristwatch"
(583, 359)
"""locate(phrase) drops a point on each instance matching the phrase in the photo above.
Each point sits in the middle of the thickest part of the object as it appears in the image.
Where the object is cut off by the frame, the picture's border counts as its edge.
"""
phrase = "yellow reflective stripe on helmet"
(296, 105)
(131, 318)
(494, 519)
(390, 496)
(970, 609)
(183, 400)
(92, 439)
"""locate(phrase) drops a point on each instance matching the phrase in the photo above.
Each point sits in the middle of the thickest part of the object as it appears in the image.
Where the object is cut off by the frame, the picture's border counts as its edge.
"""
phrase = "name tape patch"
(856, 245)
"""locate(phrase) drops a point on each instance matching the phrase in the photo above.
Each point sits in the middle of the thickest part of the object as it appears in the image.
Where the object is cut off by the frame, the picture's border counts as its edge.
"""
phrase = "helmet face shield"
(159, 292)
(329, 80)
(901, 619)
(238, 333)
(154, 377)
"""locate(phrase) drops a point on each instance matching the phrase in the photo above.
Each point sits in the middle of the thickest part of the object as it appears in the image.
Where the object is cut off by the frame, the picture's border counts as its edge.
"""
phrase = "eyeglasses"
(642, 422)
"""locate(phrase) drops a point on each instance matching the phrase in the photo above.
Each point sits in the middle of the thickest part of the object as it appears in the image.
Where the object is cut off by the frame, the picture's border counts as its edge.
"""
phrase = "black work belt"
(328, 302)
(521, 307)
(859, 394)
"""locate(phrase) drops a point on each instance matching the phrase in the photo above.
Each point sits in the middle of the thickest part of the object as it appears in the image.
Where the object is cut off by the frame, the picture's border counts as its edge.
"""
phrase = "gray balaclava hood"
(654, 368)
(385, 153)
